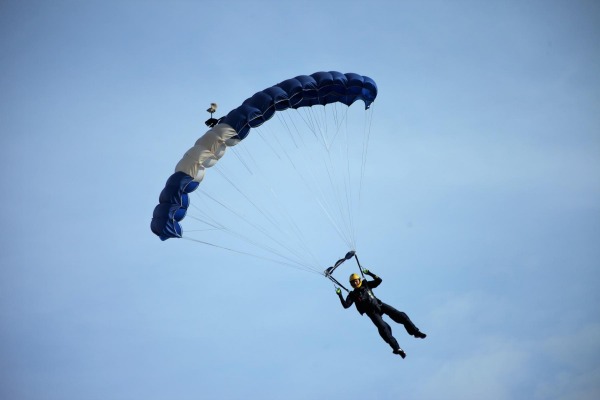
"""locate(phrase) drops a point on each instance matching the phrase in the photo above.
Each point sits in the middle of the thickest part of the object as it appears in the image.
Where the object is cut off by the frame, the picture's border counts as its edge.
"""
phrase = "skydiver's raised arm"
(347, 303)
(376, 280)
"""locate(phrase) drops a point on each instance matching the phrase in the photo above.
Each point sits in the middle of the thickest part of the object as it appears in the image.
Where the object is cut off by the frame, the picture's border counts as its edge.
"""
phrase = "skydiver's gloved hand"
(338, 291)
(372, 275)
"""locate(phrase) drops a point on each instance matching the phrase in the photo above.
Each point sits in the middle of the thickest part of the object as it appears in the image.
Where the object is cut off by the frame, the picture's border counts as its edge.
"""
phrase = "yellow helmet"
(353, 278)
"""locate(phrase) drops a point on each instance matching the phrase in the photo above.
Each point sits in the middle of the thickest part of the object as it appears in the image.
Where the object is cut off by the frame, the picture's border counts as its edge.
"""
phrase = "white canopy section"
(207, 150)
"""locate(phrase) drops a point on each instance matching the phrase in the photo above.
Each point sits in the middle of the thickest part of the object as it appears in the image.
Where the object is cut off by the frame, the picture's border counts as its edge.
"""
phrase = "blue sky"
(482, 213)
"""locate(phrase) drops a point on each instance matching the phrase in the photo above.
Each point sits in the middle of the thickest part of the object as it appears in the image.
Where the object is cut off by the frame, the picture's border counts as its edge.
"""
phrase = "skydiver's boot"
(420, 335)
(400, 352)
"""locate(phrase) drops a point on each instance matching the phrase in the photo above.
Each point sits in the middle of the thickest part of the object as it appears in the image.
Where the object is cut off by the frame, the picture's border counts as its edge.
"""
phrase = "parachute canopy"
(320, 88)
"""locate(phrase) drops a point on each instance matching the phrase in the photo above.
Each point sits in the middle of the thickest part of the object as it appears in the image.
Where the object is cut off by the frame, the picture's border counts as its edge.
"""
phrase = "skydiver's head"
(355, 281)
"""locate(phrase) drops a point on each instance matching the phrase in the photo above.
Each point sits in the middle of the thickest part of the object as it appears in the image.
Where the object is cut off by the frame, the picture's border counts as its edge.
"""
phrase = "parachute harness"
(329, 271)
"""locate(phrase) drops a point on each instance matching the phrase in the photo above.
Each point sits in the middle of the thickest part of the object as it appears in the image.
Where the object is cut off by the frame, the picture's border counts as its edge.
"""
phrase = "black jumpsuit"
(367, 303)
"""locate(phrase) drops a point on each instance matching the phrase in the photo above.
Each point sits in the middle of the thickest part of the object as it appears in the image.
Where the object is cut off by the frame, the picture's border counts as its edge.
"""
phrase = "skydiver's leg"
(401, 318)
(385, 331)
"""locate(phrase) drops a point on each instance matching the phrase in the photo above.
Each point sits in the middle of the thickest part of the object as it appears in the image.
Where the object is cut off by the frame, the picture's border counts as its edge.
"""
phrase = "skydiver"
(366, 303)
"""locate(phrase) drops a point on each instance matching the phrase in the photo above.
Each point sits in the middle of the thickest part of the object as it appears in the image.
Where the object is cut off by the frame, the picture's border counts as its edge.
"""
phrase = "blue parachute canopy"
(302, 91)
(320, 88)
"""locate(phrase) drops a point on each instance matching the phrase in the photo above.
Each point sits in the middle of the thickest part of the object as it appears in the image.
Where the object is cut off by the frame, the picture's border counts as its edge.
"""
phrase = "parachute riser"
(359, 266)
(335, 282)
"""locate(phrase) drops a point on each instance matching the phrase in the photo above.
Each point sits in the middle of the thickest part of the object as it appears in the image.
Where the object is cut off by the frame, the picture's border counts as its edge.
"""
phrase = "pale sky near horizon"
(482, 213)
